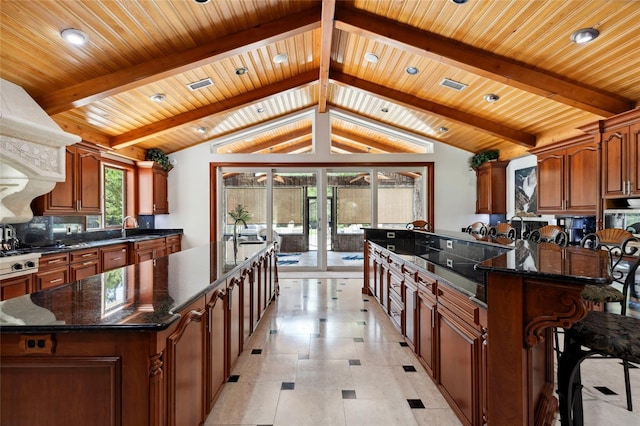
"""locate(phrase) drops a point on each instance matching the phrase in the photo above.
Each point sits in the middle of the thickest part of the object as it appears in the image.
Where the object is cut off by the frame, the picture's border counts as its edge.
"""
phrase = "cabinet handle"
(154, 207)
(629, 187)
(116, 258)
(54, 261)
(87, 263)
(57, 280)
(87, 255)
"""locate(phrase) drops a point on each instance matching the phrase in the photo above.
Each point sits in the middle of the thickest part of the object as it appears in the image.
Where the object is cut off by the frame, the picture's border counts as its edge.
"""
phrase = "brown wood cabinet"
(568, 177)
(53, 270)
(491, 183)
(148, 250)
(216, 355)
(14, 287)
(174, 243)
(620, 161)
(81, 192)
(114, 256)
(84, 263)
(152, 188)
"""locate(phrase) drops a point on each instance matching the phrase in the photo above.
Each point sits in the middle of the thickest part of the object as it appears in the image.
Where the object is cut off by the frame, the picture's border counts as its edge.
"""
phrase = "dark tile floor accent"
(348, 394)
(365, 300)
(403, 344)
(256, 351)
(233, 379)
(605, 390)
(358, 339)
(273, 331)
(415, 403)
(363, 310)
(322, 319)
(316, 335)
(354, 362)
(409, 368)
(362, 323)
(288, 386)
(334, 298)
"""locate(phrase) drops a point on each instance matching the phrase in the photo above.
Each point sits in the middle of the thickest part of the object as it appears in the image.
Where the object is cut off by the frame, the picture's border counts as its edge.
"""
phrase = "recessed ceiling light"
(411, 70)
(491, 98)
(74, 36)
(201, 130)
(260, 110)
(201, 1)
(371, 57)
(241, 70)
(584, 35)
(443, 129)
(385, 109)
(158, 97)
(280, 58)
(459, 1)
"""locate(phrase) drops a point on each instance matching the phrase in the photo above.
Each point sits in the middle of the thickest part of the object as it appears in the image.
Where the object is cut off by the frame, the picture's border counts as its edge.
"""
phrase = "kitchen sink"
(242, 243)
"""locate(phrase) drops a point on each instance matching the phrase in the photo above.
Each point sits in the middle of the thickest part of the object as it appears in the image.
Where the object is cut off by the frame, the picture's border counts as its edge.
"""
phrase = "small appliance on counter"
(577, 227)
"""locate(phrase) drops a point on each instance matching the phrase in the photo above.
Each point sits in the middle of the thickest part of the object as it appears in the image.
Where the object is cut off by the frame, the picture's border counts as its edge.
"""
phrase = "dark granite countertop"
(142, 297)
(462, 260)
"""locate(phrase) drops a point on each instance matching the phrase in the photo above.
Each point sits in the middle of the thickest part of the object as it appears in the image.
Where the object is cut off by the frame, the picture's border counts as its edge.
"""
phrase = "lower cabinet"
(53, 270)
(216, 373)
(445, 329)
(84, 264)
(14, 287)
(115, 256)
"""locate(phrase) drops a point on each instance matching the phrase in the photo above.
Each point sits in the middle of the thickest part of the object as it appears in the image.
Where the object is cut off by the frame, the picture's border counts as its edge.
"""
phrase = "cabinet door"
(582, 180)
(551, 181)
(81, 270)
(483, 183)
(614, 164)
(186, 368)
(216, 371)
(88, 182)
(634, 159)
(234, 321)
(14, 287)
(160, 192)
(62, 199)
(51, 277)
(246, 305)
(410, 313)
(459, 371)
(426, 331)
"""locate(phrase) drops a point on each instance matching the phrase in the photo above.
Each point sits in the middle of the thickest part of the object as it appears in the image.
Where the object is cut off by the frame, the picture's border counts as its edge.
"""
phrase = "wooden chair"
(549, 234)
(599, 334)
(419, 225)
(477, 228)
(503, 229)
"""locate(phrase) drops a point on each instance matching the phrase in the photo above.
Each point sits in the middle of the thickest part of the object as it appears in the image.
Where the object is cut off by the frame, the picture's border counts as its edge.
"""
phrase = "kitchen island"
(479, 313)
(145, 344)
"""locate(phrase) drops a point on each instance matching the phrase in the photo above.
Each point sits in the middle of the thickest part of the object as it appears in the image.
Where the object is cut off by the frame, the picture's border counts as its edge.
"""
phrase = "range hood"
(32, 153)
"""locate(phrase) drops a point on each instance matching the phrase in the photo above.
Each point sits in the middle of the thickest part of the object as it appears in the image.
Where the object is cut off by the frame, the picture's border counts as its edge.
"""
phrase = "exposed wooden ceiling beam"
(298, 147)
(346, 148)
(157, 69)
(480, 62)
(428, 107)
(328, 10)
(159, 127)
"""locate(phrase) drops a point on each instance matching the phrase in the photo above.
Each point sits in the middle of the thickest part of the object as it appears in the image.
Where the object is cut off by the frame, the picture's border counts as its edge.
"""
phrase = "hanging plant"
(154, 154)
(482, 157)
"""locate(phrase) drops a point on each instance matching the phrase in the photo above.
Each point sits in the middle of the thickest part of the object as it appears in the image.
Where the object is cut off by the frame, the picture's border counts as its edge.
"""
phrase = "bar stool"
(599, 334)
(503, 229)
(477, 228)
(549, 234)
(419, 225)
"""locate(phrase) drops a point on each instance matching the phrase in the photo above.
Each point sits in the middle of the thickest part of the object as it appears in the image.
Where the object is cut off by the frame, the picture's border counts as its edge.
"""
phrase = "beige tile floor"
(330, 358)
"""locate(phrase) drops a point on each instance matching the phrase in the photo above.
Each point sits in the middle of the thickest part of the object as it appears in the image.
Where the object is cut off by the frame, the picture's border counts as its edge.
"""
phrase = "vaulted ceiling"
(518, 50)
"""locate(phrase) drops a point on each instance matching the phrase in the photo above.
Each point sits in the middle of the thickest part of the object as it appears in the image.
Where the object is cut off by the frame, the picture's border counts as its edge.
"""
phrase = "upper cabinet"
(568, 177)
(152, 188)
(81, 191)
(491, 181)
(620, 154)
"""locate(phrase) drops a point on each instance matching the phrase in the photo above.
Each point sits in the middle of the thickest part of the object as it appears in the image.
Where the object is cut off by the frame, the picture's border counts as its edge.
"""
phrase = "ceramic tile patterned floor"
(326, 355)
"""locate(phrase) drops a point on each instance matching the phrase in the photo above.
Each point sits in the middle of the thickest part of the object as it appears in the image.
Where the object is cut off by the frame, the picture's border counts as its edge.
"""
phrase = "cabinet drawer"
(53, 261)
(395, 312)
(84, 255)
(459, 304)
(113, 257)
(51, 278)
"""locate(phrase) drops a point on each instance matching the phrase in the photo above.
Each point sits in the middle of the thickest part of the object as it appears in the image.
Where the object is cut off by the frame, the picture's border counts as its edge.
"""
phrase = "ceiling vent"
(453, 85)
(197, 85)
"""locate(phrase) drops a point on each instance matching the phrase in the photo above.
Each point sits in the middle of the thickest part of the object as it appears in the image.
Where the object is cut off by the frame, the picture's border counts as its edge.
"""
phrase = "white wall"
(455, 182)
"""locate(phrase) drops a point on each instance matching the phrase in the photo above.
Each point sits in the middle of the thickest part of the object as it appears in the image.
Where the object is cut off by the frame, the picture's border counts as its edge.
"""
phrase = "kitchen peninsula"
(479, 312)
(146, 344)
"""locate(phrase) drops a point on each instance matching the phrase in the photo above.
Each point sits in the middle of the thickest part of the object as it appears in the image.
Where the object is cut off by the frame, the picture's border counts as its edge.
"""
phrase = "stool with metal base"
(599, 334)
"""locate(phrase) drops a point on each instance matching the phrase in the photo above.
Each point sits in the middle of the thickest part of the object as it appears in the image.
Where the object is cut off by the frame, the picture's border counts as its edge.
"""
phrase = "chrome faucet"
(235, 237)
(522, 230)
(124, 222)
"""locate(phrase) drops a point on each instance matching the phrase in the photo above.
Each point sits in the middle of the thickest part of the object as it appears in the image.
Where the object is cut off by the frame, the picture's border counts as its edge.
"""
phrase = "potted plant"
(482, 157)
(154, 154)
(239, 212)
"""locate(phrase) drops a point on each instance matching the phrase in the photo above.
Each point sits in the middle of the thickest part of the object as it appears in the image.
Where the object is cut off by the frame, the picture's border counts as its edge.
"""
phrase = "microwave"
(628, 219)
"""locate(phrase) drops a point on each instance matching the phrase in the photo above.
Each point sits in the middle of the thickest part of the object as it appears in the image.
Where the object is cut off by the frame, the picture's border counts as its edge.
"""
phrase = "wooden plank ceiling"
(518, 50)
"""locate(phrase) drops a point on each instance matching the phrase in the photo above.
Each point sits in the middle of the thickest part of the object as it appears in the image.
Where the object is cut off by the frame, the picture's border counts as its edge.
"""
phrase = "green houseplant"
(482, 157)
(240, 212)
(154, 154)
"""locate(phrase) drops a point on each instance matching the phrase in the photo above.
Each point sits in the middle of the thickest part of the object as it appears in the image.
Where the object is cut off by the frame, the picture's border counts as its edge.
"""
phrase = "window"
(114, 196)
